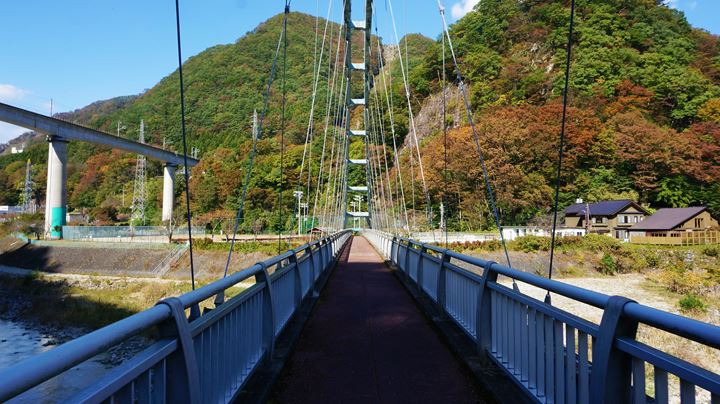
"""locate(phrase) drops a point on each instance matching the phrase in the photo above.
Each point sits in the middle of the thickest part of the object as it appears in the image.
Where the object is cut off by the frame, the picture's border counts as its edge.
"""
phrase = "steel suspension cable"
(386, 77)
(335, 159)
(445, 148)
(332, 79)
(412, 122)
(220, 297)
(195, 309)
(282, 130)
(488, 186)
(307, 149)
(561, 147)
(378, 107)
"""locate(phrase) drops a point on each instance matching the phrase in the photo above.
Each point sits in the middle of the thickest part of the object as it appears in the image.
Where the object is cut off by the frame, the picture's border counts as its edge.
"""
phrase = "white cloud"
(9, 93)
(671, 3)
(463, 7)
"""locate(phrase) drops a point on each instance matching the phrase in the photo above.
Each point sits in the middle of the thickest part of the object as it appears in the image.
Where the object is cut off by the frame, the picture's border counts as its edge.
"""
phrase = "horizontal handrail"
(37, 369)
(33, 371)
(544, 348)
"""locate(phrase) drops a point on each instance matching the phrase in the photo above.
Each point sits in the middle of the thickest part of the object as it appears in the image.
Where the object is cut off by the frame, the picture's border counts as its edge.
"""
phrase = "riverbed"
(20, 341)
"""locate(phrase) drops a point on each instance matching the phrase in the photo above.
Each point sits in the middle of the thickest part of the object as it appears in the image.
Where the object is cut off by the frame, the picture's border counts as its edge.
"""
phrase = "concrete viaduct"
(59, 133)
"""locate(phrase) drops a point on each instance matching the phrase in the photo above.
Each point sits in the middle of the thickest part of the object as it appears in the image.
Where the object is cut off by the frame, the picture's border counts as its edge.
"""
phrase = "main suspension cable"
(282, 130)
(568, 54)
(488, 186)
(445, 148)
(196, 310)
(256, 137)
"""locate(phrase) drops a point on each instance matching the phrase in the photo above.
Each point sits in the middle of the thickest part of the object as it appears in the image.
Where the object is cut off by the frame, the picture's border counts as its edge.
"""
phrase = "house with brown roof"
(612, 218)
(675, 223)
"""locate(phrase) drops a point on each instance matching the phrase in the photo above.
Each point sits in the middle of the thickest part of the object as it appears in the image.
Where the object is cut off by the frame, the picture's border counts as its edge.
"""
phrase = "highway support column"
(168, 191)
(56, 195)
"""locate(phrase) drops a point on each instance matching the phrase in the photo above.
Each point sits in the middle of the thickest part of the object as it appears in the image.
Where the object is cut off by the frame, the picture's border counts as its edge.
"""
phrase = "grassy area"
(247, 247)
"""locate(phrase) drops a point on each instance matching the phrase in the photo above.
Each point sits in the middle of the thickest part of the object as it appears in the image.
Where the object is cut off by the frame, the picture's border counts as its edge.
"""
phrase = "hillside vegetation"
(644, 120)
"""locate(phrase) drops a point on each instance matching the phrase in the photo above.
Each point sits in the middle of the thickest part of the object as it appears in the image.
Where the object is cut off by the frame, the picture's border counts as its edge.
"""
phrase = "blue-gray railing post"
(292, 261)
(423, 251)
(610, 379)
(268, 326)
(322, 247)
(394, 250)
(313, 271)
(406, 269)
(441, 293)
(483, 321)
(182, 367)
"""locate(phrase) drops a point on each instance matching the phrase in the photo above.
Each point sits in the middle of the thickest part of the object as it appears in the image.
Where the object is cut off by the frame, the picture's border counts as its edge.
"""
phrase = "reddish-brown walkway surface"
(367, 342)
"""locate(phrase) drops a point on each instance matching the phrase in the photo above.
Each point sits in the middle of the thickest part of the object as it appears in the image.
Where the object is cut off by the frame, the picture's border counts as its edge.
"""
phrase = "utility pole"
(138, 204)
(588, 225)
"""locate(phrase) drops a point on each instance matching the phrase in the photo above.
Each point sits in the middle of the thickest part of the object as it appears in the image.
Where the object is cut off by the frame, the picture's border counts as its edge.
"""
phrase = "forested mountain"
(644, 117)
(644, 121)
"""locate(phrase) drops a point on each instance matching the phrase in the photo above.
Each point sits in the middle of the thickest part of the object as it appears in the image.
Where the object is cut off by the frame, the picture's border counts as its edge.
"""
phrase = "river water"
(19, 342)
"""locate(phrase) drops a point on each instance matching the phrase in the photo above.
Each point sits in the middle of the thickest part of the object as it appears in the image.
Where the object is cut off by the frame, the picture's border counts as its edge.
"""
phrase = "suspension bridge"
(366, 315)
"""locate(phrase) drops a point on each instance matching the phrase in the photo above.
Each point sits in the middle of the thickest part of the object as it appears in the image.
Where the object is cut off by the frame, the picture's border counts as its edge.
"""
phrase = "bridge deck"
(368, 342)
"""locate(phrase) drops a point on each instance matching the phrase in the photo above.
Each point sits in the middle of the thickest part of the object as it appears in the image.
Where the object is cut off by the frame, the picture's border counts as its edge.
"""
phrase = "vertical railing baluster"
(570, 371)
(661, 386)
(549, 359)
(584, 374)
(687, 392)
(532, 350)
(559, 363)
(638, 380)
(540, 352)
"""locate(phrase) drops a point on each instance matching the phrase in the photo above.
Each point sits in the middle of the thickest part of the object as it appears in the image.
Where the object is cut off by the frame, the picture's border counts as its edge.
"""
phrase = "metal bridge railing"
(201, 361)
(554, 355)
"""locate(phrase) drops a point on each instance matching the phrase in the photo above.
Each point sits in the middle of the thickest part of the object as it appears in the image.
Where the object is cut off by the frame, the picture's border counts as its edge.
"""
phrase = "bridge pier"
(168, 191)
(56, 195)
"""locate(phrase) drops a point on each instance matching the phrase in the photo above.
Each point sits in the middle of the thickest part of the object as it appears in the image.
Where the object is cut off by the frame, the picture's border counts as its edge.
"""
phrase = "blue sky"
(80, 51)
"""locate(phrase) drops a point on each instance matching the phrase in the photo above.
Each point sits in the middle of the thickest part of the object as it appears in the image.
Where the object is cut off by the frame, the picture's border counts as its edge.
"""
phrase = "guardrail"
(201, 360)
(554, 355)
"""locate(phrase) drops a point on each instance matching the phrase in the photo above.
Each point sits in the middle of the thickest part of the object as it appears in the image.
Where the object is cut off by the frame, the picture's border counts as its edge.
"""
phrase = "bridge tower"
(361, 191)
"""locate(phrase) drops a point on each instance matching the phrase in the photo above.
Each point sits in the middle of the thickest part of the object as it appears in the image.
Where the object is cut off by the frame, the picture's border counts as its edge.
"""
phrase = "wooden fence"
(680, 238)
